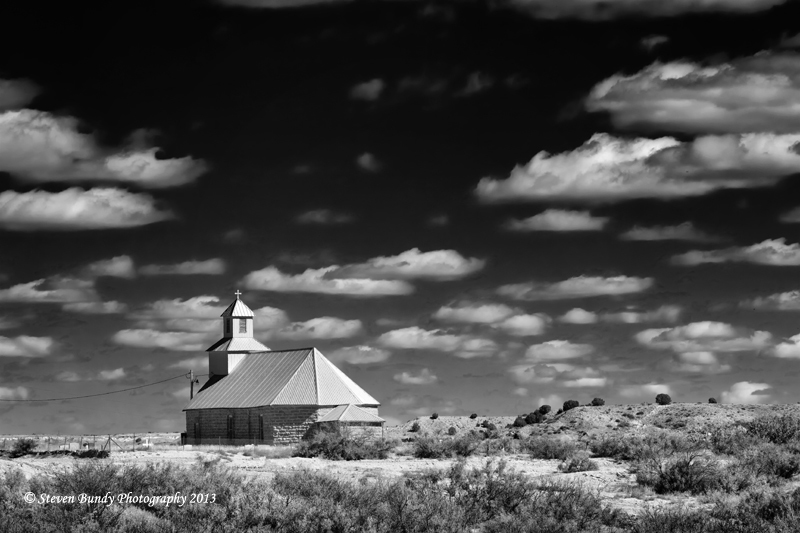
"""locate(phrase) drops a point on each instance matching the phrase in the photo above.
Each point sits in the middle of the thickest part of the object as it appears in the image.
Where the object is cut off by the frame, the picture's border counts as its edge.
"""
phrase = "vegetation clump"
(23, 447)
(434, 416)
(570, 404)
(337, 445)
(473, 416)
(597, 402)
(663, 399)
(520, 422)
(415, 427)
(712, 400)
(545, 409)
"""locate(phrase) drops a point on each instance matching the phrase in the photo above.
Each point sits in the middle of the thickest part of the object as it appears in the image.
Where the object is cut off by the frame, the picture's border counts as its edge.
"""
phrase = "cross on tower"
(237, 293)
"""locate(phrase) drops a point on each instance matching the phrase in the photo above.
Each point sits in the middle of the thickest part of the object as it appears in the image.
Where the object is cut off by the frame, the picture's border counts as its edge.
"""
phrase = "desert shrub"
(534, 418)
(612, 446)
(779, 429)
(598, 402)
(520, 422)
(452, 431)
(730, 439)
(628, 415)
(570, 404)
(336, 445)
(415, 427)
(23, 447)
(693, 473)
(91, 454)
(488, 425)
(559, 411)
(770, 461)
(712, 400)
(545, 409)
(473, 416)
(579, 462)
(549, 448)
(434, 416)
(429, 447)
(663, 399)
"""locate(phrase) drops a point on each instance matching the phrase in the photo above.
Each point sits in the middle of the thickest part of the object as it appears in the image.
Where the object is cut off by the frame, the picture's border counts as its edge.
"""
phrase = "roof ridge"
(316, 374)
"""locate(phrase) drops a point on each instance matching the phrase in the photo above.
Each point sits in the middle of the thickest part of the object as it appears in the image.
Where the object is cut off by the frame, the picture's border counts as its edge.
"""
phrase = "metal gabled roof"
(237, 344)
(237, 309)
(291, 377)
(350, 413)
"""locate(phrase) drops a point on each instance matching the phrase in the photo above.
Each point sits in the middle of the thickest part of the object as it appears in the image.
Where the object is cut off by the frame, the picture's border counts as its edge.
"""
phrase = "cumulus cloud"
(704, 337)
(665, 313)
(440, 265)
(117, 267)
(788, 349)
(576, 287)
(585, 382)
(187, 268)
(469, 313)
(68, 376)
(369, 90)
(368, 162)
(39, 147)
(26, 346)
(96, 308)
(359, 355)
(773, 252)
(644, 391)
(557, 350)
(578, 316)
(415, 338)
(746, 392)
(325, 327)
(192, 363)
(558, 220)
(760, 93)
(700, 362)
(782, 301)
(56, 289)
(77, 209)
(425, 377)
(791, 217)
(16, 93)
(110, 375)
(609, 169)
(169, 340)
(681, 232)
(14, 393)
(323, 217)
(524, 325)
(323, 281)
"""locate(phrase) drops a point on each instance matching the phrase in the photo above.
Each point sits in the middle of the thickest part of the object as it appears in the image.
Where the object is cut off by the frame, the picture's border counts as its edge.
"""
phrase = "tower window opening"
(227, 328)
(242, 325)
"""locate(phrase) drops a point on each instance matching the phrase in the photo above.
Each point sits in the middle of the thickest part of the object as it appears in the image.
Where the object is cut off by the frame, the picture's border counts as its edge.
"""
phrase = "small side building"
(255, 395)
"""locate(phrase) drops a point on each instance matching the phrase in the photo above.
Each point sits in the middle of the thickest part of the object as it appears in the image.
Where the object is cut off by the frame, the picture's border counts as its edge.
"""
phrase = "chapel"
(255, 395)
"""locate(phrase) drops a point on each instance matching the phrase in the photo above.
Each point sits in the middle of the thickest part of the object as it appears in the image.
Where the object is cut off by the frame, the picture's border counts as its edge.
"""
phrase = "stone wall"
(260, 425)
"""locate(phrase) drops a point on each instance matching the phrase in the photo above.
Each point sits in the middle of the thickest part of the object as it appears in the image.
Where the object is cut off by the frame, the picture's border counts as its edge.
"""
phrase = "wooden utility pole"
(192, 381)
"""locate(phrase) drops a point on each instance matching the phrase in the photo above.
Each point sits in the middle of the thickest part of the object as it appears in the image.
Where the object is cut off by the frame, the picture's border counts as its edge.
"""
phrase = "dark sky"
(468, 206)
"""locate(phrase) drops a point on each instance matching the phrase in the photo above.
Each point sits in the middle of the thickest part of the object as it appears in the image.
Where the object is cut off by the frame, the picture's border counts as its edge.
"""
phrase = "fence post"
(134, 442)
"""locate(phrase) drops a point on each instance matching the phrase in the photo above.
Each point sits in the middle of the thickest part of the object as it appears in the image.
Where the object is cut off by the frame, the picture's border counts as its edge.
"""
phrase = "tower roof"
(290, 377)
(237, 309)
(350, 413)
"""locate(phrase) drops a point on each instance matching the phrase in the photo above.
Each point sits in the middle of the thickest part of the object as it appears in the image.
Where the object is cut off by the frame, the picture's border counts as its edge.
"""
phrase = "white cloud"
(774, 252)
(39, 147)
(751, 94)
(425, 377)
(320, 328)
(577, 287)
(559, 220)
(415, 338)
(55, 289)
(187, 314)
(198, 363)
(783, 301)
(187, 268)
(322, 281)
(109, 375)
(553, 400)
(533, 374)
(16, 93)
(524, 325)
(68, 376)
(520, 391)
(96, 308)
(440, 265)
(646, 390)
(14, 393)
(789, 349)
(76, 209)
(608, 169)
(470, 313)
(700, 362)
(323, 217)
(359, 355)
(578, 316)
(168, 340)
(681, 232)
(117, 267)
(665, 313)
(744, 392)
(26, 346)
(557, 350)
(651, 42)
(369, 90)
(585, 382)
(704, 336)
(368, 162)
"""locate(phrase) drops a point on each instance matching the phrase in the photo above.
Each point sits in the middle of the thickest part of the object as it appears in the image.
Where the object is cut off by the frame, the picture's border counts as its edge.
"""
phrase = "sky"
(467, 205)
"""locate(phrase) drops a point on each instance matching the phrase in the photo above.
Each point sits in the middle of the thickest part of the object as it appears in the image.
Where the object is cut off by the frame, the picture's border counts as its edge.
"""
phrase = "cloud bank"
(577, 287)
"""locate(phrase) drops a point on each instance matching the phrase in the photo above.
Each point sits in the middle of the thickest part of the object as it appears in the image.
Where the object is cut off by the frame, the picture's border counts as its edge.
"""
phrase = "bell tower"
(237, 339)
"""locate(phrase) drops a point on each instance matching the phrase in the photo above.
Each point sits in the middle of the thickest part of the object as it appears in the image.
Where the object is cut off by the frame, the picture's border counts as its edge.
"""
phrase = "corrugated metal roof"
(237, 309)
(291, 377)
(350, 413)
(237, 344)
(334, 383)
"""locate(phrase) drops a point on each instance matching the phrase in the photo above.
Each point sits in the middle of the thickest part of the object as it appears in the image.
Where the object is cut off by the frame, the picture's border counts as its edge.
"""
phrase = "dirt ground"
(612, 480)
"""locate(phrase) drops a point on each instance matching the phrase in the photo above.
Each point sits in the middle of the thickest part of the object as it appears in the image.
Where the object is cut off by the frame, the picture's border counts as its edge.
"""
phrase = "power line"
(99, 394)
